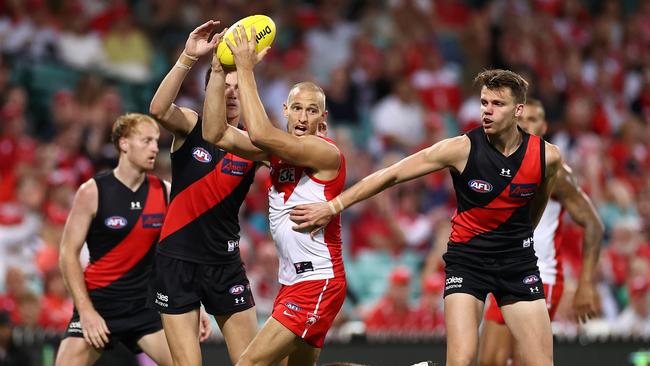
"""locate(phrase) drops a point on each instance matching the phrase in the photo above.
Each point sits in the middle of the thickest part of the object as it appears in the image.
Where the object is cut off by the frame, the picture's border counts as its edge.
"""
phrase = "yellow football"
(264, 27)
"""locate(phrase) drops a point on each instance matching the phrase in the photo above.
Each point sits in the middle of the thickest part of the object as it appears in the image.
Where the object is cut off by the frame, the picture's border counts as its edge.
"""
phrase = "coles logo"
(201, 155)
(115, 222)
(237, 289)
(480, 186)
(531, 279)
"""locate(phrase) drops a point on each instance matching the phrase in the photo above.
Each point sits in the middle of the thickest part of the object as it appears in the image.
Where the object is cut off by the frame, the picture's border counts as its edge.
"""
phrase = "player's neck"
(129, 175)
(506, 142)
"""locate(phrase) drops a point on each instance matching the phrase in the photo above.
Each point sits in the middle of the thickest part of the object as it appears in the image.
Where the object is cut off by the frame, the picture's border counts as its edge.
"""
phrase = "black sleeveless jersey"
(122, 235)
(208, 188)
(494, 195)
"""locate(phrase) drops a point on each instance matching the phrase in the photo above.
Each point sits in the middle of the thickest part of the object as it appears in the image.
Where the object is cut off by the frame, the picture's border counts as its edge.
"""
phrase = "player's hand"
(586, 302)
(243, 49)
(205, 325)
(312, 217)
(215, 64)
(94, 328)
(199, 43)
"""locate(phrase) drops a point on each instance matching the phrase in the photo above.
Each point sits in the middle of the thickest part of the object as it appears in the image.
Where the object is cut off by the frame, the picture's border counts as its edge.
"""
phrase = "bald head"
(308, 86)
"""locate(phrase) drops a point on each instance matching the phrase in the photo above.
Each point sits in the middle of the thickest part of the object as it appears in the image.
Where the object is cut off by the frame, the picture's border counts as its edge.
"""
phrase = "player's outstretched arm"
(215, 128)
(84, 208)
(449, 153)
(553, 163)
(307, 151)
(180, 121)
(586, 301)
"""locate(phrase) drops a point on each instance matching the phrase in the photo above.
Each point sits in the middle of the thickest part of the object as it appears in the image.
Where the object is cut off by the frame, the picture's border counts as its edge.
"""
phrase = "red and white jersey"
(547, 242)
(301, 257)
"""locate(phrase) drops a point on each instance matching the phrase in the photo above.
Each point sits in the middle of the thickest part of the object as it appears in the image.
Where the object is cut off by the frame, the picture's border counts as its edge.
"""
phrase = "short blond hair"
(126, 124)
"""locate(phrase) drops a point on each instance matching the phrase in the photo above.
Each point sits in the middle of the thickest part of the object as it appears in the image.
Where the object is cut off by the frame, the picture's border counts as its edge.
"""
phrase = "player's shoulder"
(553, 154)
(456, 144)
(87, 188)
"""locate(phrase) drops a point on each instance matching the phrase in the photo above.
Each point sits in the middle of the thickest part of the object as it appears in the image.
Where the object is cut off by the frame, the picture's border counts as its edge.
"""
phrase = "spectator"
(10, 354)
(393, 314)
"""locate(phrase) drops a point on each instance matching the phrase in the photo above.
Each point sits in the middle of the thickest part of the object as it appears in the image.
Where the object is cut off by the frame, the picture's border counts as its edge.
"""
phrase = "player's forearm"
(169, 87)
(366, 188)
(257, 122)
(214, 108)
(593, 236)
(74, 280)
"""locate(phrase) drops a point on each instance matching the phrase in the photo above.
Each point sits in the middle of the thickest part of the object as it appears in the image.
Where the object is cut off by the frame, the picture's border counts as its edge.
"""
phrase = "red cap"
(400, 276)
(433, 283)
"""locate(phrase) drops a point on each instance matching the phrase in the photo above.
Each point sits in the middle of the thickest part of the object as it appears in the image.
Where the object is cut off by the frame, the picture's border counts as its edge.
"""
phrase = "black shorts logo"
(302, 267)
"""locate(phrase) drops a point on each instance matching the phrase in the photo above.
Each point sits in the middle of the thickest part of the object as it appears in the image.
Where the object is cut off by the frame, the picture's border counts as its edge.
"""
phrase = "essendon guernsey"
(494, 195)
(122, 237)
(208, 188)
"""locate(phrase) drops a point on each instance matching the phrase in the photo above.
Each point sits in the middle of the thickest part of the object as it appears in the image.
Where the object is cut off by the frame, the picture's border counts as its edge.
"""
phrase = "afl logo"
(201, 155)
(531, 279)
(115, 222)
(237, 289)
(480, 186)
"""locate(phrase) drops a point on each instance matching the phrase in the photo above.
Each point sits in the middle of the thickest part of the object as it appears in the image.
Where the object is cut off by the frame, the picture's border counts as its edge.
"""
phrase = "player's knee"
(461, 359)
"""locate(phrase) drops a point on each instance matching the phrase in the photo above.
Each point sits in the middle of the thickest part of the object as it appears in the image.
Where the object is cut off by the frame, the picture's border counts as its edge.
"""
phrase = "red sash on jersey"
(134, 247)
(478, 220)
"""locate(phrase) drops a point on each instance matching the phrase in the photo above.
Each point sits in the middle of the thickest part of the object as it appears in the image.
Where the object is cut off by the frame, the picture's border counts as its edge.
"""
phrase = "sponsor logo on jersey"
(302, 267)
(524, 190)
(480, 186)
(237, 289)
(234, 167)
(152, 221)
(115, 222)
(505, 173)
(529, 280)
(232, 245)
(201, 154)
(293, 306)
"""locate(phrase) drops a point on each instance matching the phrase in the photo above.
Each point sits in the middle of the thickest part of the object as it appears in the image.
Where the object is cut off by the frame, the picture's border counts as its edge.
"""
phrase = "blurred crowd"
(397, 74)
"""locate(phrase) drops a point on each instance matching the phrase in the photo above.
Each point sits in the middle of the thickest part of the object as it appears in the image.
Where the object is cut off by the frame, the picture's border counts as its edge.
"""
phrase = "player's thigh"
(155, 346)
(462, 318)
(304, 354)
(182, 333)
(238, 329)
(75, 351)
(496, 344)
(530, 325)
(273, 343)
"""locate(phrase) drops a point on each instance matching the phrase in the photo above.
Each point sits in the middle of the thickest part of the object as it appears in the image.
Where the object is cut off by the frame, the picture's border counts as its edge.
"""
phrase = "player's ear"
(123, 143)
(519, 110)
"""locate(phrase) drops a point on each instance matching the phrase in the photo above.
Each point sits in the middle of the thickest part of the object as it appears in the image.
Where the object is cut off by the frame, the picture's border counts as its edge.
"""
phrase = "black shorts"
(509, 279)
(127, 322)
(179, 286)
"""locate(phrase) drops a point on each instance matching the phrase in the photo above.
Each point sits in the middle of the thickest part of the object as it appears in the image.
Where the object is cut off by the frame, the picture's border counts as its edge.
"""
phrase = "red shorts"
(308, 308)
(553, 293)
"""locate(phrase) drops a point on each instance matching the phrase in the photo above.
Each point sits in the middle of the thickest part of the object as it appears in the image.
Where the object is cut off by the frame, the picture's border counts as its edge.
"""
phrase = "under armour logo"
(239, 300)
(534, 290)
(135, 205)
(505, 172)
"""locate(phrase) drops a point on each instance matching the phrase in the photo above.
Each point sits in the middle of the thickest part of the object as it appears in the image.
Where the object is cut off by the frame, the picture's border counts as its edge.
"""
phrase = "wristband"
(338, 199)
(332, 208)
(186, 61)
